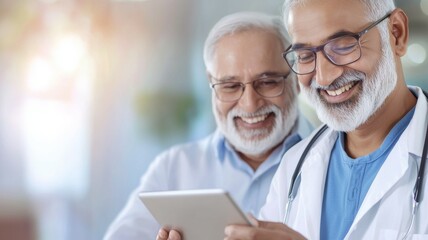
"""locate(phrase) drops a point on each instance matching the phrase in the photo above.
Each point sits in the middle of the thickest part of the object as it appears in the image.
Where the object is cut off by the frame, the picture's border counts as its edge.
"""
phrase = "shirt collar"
(222, 148)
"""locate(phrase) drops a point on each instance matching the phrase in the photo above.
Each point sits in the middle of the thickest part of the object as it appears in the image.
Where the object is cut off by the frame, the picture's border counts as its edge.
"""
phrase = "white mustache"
(346, 78)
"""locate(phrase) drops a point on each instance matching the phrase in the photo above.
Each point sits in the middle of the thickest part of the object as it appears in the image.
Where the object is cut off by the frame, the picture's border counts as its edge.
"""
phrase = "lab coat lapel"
(392, 170)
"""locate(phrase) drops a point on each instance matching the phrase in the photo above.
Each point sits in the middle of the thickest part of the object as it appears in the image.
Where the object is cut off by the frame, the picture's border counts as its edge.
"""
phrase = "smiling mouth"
(255, 119)
(341, 90)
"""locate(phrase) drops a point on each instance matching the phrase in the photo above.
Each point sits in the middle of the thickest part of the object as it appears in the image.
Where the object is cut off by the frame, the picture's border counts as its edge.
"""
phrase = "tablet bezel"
(197, 214)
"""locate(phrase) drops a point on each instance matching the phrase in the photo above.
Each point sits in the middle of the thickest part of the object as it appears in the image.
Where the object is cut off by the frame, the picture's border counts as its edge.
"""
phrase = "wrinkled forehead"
(316, 20)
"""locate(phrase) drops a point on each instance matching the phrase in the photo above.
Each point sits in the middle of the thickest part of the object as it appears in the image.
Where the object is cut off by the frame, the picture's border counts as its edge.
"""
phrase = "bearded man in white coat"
(360, 177)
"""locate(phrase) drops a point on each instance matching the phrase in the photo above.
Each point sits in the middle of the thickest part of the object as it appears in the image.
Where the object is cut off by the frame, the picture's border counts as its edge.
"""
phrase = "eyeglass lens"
(266, 87)
(340, 51)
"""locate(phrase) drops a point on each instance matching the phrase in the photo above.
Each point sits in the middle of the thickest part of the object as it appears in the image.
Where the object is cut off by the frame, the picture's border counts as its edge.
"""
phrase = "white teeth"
(256, 119)
(340, 90)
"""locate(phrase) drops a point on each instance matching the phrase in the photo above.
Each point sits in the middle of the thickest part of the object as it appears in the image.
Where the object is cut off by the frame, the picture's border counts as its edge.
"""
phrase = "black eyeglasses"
(340, 51)
(269, 87)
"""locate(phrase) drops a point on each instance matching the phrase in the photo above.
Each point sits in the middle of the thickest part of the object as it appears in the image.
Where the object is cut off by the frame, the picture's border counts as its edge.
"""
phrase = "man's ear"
(399, 29)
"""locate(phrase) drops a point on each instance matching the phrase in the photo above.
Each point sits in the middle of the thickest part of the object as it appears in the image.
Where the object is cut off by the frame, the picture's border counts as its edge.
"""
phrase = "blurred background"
(92, 90)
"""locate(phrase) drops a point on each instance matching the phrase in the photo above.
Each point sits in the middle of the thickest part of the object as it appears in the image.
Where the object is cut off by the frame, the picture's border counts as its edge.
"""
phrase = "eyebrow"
(340, 33)
(261, 75)
(271, 73)
(224, 79)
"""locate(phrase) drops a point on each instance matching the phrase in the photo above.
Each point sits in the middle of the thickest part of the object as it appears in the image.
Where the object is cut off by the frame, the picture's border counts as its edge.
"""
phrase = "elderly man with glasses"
(364, 175)
(254, 100)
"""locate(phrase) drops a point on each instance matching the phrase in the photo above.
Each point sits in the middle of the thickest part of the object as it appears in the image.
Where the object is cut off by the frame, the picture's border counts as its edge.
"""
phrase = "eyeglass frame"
(316, 49)
(243, 85)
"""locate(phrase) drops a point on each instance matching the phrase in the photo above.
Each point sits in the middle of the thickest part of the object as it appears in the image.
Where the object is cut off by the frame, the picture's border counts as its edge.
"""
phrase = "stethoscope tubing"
(420, 179)
(292, 192)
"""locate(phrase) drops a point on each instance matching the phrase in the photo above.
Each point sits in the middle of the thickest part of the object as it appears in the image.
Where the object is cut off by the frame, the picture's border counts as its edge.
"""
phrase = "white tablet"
(198, 214)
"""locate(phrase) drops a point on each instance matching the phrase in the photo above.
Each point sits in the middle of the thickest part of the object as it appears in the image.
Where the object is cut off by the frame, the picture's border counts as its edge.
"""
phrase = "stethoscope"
(295, 181)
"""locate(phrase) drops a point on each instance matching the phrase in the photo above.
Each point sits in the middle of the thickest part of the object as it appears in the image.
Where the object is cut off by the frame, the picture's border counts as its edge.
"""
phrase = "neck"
(370, 136)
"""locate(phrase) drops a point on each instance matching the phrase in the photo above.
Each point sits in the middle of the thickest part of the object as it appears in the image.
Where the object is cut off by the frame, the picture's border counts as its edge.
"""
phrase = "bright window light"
(40, 75)
(55, 136)
(416, 53)
(68, 53)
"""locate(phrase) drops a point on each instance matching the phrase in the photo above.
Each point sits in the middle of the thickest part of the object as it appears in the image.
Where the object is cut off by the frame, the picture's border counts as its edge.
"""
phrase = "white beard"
(258, 141)
(373, 91)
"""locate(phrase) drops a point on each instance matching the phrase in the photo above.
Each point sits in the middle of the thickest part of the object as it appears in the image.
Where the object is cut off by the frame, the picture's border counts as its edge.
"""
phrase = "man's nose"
(250, 100)
(325, 71)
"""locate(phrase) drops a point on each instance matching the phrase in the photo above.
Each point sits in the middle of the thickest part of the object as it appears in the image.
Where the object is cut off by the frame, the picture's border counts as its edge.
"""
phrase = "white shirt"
(386, 210)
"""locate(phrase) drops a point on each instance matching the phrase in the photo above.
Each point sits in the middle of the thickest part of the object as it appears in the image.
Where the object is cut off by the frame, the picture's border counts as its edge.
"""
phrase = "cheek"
(283, 102)
(370, 58)
(223, 109)
(368, 66)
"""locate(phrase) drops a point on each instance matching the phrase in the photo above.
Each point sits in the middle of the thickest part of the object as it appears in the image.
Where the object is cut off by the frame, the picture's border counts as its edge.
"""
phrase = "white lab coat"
(386, 210)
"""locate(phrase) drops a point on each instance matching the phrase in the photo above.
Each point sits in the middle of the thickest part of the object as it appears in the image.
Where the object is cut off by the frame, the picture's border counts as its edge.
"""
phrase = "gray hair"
(239, 22)
(374, 10)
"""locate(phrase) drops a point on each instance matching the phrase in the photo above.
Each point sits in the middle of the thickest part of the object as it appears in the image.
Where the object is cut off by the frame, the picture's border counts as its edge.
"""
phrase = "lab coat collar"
(418, 124)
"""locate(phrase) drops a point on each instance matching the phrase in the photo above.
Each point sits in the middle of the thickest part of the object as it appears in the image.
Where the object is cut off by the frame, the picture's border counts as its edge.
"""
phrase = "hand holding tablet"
(197, 214)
